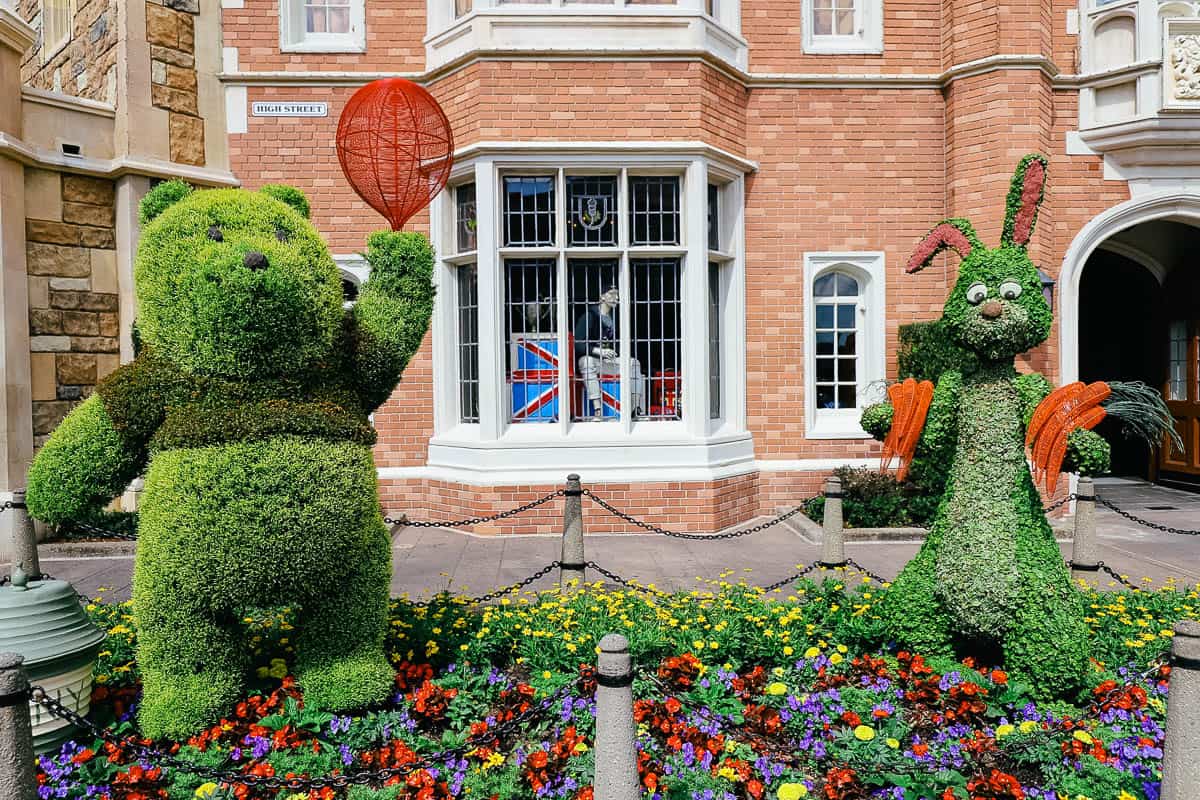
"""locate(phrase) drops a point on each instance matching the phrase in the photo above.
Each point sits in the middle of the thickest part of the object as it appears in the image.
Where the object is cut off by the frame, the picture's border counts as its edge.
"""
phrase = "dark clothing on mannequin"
(593, 329)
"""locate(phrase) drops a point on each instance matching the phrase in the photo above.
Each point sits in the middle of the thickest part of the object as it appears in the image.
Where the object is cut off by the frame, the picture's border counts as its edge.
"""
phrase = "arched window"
(844, 341)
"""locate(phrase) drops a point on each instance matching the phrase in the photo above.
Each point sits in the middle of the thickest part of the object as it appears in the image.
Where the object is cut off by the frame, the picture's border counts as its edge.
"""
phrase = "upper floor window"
(322, 26)
(842, 26)
(844, 340)
(57, 18)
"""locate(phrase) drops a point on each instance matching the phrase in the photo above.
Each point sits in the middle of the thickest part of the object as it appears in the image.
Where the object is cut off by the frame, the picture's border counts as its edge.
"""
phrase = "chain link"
(1145, 522)
(1059, 503)
(616, 512)
(151, 754)
(492, 595)
(512, 512)
(102, 533)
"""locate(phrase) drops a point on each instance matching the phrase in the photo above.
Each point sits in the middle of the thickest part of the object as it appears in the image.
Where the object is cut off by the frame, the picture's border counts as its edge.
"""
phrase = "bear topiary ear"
(288, 195)
(162, 197)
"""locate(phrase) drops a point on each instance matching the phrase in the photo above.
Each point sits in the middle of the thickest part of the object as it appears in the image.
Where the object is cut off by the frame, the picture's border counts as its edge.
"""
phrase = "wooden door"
(1182, 387)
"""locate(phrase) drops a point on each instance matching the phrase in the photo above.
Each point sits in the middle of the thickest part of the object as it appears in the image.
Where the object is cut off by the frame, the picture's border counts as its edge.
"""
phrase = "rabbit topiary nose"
(254, 260)
(992, 309)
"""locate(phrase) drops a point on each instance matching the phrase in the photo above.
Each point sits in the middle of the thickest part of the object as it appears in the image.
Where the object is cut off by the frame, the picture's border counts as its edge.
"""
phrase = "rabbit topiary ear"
(162, 197)
(956, 234)
(288, 195)
(1025, 195)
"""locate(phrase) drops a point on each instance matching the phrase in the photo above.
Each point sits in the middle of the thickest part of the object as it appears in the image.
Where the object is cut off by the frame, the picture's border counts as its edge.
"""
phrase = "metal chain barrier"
(512, 512)
(1145, 522)
(102, 533)
(616, 512)
(492, 595)
(151, 754)
(1059, 503)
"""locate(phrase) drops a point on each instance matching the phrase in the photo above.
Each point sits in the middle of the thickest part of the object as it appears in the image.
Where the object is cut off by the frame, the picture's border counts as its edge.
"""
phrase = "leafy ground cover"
(741, 695)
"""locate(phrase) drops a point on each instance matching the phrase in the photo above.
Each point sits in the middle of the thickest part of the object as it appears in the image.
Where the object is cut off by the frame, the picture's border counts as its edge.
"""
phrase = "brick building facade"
(828, 135)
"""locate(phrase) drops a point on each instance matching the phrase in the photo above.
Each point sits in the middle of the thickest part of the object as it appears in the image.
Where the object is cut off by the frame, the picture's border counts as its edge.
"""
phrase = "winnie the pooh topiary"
(989, 579)
(247, 407)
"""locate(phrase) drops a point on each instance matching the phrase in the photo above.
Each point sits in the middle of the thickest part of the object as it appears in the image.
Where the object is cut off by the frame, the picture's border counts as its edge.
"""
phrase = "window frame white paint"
(694, 447)
(293, 38)
(869, 268)
(867, 41)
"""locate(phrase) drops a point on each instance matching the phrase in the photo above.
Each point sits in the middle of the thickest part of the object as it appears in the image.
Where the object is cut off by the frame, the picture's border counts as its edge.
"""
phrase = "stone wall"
(171, 33)
(87, 65)
(71, 259)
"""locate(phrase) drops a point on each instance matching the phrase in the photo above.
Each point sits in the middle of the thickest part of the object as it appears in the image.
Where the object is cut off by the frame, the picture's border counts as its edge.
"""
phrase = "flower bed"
(740, 695)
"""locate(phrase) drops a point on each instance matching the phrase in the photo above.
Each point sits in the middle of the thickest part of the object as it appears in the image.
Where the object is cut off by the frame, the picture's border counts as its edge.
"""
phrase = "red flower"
(996, 785)
(538, 759)
(851, 719)
(673, 705)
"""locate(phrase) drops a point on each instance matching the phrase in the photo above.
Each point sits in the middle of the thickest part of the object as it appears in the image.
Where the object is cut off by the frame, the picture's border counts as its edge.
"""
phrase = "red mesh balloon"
(395, 146)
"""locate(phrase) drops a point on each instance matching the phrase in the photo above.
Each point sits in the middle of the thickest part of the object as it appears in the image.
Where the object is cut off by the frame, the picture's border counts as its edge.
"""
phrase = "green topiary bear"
(249, 403)
(989, 578)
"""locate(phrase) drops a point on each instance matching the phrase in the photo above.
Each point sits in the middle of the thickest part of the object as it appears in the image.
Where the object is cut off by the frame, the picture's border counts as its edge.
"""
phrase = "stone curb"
(810, 531)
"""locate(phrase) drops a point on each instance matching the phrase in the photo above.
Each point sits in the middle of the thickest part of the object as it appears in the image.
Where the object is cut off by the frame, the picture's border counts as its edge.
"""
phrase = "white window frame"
(293, 38)
(51, 49)
(868, 39)
(868, 268)
(694, 447)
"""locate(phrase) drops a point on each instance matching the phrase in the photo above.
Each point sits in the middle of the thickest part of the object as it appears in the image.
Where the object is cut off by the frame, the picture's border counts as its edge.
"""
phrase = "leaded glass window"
(658, 333)
(1177, 360)
(836, 297)
(464, 217)
(654, 210)
(714, 339)
(595, 339)
(714, 217)
(529, 211)
(532, 341)
(468, 342)
(592, 211)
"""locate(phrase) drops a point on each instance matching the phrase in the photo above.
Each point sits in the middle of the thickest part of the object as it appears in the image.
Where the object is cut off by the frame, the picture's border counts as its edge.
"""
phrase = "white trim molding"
(1179, 206)
(868, 269)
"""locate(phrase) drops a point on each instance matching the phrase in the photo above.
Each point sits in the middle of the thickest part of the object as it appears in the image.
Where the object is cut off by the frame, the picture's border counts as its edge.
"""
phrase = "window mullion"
(625, 325)
(566, 358)
(489, 269)
(694, 291)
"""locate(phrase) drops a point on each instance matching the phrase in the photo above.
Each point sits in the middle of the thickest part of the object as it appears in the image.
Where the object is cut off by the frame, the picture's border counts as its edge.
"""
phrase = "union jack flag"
(535, 379)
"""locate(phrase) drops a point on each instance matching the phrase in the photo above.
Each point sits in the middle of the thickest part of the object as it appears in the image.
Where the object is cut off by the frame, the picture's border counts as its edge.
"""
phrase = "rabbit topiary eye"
(1010, 290)
(976, 293)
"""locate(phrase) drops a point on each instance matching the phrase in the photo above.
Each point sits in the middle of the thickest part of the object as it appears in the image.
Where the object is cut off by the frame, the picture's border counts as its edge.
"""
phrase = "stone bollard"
(1085, 548)
(616, 775)
(571, 567)
(17, 776)
(833, 542)
(1181, 752)
(24, 538)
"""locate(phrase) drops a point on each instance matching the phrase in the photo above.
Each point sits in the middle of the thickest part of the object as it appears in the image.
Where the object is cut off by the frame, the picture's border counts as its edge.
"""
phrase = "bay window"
(594, 303)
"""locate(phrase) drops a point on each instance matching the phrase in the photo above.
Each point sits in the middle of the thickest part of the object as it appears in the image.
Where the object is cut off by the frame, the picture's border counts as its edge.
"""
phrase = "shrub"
(927, 349)
(874, 499)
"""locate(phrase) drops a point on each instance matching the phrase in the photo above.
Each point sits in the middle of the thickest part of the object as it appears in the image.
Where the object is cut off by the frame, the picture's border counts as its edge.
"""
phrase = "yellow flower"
(1083, 736)
(713, 645)
(777, 688)
(1028, 726)
(493, 760)
(792, 791)
(206, 789)
(864, 733)
(892, 743)
(812, 652)
(1124, 795)
(698, 645)
(836, 659)
(787, 651)
(278, 668)
(1004, 730)
(727, 773)
(581, 748)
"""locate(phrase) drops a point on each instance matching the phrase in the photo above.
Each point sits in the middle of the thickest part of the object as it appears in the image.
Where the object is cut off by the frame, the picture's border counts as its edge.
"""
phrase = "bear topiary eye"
(1010, 290)
(214, 233)
(976, 293)
(282, 235)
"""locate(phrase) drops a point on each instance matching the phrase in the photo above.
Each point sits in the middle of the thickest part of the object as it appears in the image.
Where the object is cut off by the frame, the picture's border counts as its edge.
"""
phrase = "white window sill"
(348, 45)
(840, 424)
(589, 29)
(842, 46)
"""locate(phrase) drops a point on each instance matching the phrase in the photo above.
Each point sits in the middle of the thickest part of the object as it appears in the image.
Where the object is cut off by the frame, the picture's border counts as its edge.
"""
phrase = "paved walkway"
(426, 560)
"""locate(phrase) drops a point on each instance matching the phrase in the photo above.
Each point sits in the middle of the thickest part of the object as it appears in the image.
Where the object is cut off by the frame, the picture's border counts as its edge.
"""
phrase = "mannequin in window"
(595, 335)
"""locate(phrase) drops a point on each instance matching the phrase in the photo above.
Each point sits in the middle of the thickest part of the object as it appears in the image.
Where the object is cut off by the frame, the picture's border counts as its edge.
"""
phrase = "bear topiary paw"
(348, 682)
(177, 706)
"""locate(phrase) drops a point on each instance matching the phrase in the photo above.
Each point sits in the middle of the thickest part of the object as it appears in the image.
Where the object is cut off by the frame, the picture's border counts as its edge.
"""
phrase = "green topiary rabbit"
(249, 403)
(989, 578)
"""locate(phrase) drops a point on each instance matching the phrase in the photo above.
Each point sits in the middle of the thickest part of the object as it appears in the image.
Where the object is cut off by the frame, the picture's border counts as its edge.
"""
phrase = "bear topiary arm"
(1087, 453)
(392, 314)
(1033, 389)
(86, 463)
(877, 419)
(941, 423)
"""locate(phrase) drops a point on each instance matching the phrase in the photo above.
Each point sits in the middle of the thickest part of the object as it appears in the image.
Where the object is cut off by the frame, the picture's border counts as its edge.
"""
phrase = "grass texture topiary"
(989, 578)
(247, 408)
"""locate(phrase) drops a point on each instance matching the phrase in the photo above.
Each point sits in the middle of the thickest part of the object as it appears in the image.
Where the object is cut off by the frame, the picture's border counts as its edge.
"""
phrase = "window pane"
(654, 210)
(468, 343)
(825, 397)
(714, 218)
(822, 26)
(462, 7)
(824, 316)
(825, 344)
(847, 371)
(714, 340)
(845, 316)
(531, 352)
(845, 343)
(825, 285)
(315, 21)
(846, 286)
(339, 19)
(1177, 360)
(657, 332)
(847, 397)
(825, 369)
(464, 222)
(592, 209)
(529, 211)
(594, 310)
(845, 23)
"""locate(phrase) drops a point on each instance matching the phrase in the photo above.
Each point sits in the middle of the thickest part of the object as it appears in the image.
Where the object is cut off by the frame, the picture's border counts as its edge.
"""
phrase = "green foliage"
(289, 195)
(197, 426)
(1087, 453)
(927, 349)
(258, 524)
(873, 499)
(201, 308)
(161, 197)
(877, 420)
(83, 466)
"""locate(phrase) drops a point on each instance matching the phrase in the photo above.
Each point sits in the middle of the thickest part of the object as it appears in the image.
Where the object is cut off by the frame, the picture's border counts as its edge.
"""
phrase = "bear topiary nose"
(992, 309)
(254, 260)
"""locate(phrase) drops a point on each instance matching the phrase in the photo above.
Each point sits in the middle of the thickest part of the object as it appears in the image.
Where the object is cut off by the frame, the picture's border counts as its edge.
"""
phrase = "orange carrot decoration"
(1064, 410)
(910, 405)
